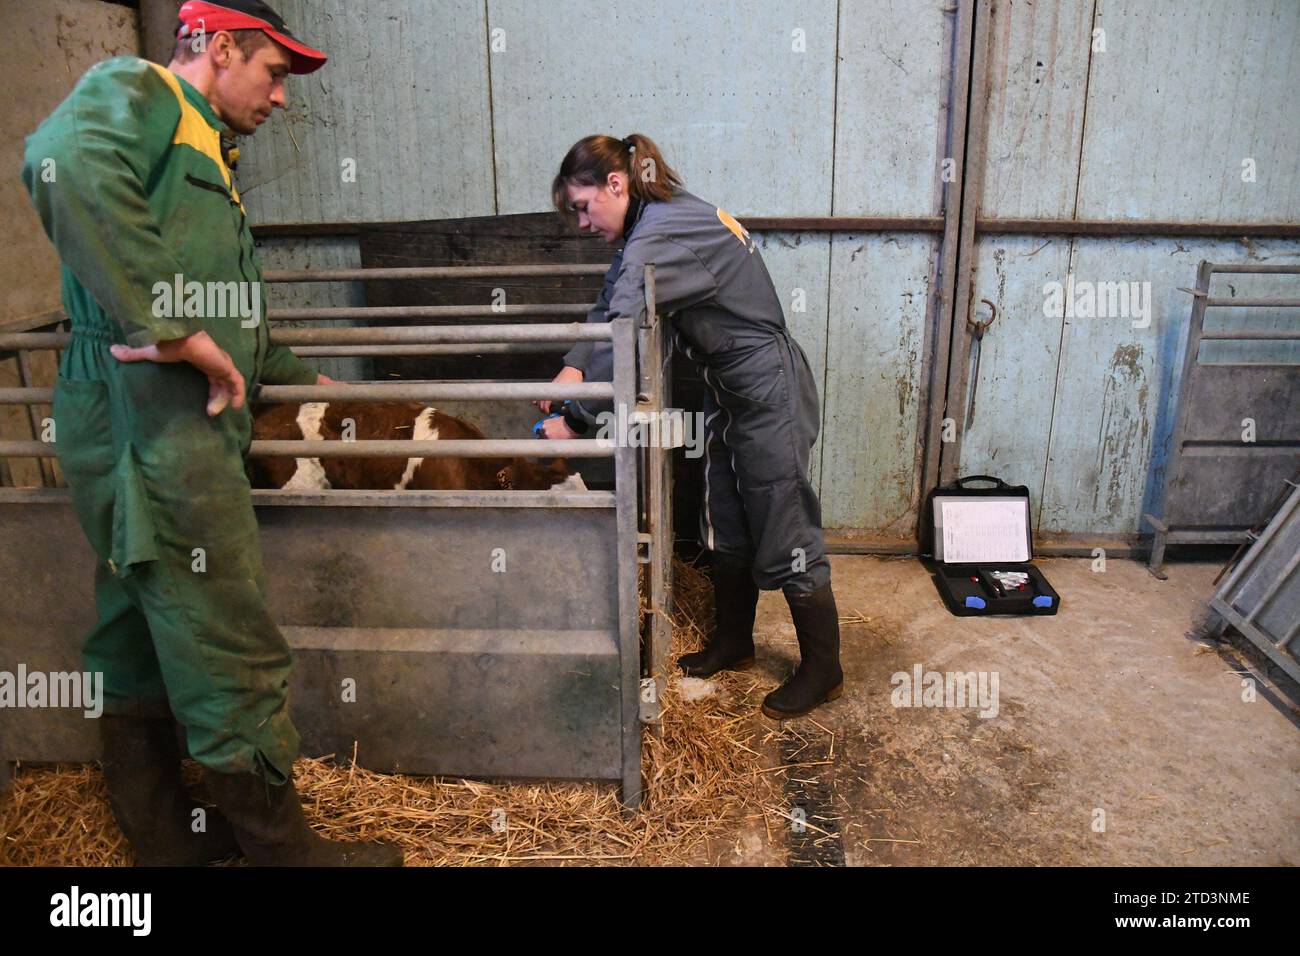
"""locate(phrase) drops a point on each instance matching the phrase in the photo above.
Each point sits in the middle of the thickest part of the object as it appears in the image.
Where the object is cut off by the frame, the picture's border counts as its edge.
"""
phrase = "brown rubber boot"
(272, 830)
(142, 770)
(819, 678)
(735, 600)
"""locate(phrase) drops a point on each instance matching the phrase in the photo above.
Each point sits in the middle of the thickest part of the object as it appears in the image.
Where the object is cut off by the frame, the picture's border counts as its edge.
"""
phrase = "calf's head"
(524, 474)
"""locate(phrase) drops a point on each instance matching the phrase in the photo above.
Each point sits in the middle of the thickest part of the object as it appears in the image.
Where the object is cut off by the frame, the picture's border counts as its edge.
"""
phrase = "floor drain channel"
(813, 836)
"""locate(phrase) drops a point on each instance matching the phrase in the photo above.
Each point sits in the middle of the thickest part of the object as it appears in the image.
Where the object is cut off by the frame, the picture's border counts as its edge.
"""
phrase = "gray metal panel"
(435, 692)
(1220, 474)
(720, 87)
(405, 567)
(475, 703)
(873, 378)
(404, 95)
(1226, 486)
(1226, 396)
(48, 608)
(1185, 91)
(888, 110)
(1261, 597)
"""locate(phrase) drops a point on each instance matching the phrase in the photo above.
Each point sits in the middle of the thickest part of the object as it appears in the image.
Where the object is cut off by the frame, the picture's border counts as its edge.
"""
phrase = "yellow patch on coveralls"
(193, 131)
(737, 230)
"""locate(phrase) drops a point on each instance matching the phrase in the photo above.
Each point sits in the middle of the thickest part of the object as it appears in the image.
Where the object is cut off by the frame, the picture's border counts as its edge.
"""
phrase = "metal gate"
(460, 670)
(1261, 597)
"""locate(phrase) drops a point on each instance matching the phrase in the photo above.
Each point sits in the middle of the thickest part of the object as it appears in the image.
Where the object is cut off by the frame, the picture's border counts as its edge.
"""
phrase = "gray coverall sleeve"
(580, 355)
(681, 280)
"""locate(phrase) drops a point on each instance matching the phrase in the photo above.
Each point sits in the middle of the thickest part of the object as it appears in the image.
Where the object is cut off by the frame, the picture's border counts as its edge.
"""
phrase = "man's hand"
(567, 375)
(555, 428)
(324, 380)
(225, 384)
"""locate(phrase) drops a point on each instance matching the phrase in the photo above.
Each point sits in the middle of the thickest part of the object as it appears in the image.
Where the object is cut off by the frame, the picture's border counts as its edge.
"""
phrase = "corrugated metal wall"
(1154, 127)
(453, 108)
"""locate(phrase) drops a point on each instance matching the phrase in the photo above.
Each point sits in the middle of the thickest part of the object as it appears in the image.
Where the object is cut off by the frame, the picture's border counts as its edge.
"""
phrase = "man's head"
(237, 53)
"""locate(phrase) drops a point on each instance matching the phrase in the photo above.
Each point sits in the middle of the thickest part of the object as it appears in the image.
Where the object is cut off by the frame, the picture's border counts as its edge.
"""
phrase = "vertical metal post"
(1204, 273)
(662, 571)
(625, 487)
(939, 320)
(972, 179)
(656, 495)
(25, 379)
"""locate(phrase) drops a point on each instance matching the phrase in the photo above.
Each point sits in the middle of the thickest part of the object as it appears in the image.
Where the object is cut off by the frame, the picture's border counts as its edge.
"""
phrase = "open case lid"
(970, 525)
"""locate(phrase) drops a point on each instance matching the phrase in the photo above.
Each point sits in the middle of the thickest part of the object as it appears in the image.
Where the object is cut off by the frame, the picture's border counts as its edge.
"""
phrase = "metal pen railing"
(642, 507)
(411, 340)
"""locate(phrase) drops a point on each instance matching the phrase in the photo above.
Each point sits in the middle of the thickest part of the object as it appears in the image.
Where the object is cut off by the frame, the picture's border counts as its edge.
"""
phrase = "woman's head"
(599, 175)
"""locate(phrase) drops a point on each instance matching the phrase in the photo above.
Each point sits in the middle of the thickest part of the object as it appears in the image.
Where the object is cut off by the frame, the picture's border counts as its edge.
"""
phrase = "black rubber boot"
(272, 830)
(735, 599)
(142, 770)
(819, 678)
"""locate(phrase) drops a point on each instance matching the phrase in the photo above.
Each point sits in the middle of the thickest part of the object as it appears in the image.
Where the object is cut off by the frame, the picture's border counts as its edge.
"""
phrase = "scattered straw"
(703, 772)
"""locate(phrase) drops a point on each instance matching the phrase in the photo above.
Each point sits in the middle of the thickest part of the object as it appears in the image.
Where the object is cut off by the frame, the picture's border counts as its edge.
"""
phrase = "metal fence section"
(537, 672)
(1236, 437)
(1261, 597)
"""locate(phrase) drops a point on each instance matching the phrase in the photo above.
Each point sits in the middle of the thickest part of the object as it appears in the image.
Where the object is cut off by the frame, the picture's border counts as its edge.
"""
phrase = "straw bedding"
(708, 768)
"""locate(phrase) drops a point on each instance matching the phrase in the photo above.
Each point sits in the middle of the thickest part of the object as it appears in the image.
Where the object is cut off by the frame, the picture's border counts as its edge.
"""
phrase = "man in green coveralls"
(162, 284)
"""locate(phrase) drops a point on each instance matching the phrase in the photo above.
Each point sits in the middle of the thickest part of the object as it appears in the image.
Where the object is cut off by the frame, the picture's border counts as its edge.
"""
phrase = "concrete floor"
(1118, 741)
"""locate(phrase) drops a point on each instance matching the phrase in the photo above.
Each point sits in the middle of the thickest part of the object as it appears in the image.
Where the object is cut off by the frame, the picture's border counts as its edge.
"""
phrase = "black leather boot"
(272, 830)
(735, 599)
(819, 678)
(142, 770)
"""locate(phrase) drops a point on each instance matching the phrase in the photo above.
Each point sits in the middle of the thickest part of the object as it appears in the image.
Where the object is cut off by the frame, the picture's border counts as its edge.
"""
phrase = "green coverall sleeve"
(86, 169)
(282, 367)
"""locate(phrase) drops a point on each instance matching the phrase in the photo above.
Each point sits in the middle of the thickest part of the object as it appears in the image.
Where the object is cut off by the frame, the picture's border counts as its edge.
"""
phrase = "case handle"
(998, 482)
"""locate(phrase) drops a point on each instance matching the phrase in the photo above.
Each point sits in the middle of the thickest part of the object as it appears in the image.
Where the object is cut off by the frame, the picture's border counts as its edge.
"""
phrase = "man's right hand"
(567, 375)
(225, 384)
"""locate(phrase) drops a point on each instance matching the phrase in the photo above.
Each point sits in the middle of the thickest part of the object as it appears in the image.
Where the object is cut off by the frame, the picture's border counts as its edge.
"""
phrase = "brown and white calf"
(390, 421)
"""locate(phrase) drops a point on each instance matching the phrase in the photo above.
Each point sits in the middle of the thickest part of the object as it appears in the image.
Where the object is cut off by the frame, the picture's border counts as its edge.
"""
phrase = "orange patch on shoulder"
(736, 228)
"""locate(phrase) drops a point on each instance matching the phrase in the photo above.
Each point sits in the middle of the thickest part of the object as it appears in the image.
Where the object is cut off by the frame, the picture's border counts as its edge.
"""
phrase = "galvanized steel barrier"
(1218, 486)
(1261, 595)
(493, 634)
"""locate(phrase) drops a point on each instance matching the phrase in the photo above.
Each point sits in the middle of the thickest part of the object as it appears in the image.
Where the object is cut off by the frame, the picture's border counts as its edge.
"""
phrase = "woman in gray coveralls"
(761, 519)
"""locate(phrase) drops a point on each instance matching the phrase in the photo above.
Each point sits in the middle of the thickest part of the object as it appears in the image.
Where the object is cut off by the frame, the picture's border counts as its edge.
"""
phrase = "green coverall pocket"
(134, 533)
(83, 434)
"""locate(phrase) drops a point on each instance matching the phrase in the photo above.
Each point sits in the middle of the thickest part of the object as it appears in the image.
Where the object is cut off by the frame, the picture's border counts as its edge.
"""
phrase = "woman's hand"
(225, 384)
(568, 375)
(557, 428)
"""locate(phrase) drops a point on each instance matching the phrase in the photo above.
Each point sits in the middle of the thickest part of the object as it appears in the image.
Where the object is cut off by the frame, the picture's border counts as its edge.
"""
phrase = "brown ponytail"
(590, 161)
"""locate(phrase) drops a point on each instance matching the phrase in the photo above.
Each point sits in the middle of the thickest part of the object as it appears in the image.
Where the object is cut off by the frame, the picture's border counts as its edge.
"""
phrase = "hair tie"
(629, 145)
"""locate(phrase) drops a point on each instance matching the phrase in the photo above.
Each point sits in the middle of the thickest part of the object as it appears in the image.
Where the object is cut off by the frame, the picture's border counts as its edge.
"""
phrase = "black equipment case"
(992, 572)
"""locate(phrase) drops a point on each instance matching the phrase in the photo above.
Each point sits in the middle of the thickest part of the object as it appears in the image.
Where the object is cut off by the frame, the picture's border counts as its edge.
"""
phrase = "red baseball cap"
(200, 16)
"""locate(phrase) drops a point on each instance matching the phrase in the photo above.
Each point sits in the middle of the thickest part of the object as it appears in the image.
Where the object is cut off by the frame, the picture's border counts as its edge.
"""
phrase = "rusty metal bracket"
(978, 328)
